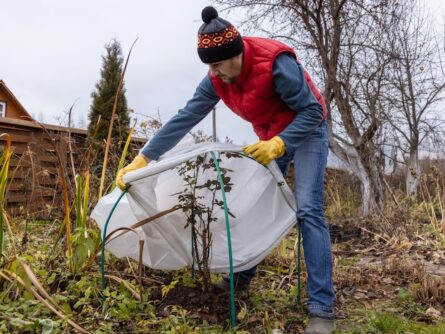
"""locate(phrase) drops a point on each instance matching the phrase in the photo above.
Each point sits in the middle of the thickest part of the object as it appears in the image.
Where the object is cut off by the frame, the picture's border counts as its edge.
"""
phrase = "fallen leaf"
(209, 317)
(433, 313)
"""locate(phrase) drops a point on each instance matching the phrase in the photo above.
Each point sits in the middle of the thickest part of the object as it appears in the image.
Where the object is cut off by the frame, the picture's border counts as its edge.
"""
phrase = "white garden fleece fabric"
(260, 200)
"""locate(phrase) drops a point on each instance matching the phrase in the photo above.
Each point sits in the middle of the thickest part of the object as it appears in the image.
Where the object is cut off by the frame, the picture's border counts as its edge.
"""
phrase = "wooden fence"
(35, 185)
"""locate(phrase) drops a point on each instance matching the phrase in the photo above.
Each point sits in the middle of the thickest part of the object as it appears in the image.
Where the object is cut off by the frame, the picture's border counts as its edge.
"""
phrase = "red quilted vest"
(253, 96)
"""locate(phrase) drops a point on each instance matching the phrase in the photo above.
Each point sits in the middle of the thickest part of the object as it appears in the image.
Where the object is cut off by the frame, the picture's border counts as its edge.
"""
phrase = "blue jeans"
(310, 163)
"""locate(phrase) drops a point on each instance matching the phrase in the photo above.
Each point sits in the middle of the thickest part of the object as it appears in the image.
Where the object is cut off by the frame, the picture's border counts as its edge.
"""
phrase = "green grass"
(380, 322)
(348, 261)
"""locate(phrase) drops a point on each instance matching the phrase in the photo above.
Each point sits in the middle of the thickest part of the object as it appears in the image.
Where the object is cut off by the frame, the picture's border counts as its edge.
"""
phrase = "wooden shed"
(10, 107)
(35, 184)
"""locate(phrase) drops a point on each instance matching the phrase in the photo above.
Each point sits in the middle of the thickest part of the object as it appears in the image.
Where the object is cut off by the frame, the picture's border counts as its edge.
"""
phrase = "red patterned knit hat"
(218, 39)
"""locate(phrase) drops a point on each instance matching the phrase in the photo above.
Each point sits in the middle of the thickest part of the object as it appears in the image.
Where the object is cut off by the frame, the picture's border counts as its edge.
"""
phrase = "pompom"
(208, 14)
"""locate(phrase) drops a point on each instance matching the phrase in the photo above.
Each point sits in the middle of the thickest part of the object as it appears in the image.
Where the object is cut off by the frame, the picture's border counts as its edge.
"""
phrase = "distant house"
(10, 107)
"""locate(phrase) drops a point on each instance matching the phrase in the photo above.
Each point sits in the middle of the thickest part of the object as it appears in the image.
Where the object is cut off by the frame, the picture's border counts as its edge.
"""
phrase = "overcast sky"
(50, 56)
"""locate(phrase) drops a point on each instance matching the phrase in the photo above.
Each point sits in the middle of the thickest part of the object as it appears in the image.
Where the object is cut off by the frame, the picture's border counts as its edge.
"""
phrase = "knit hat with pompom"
(218, 39)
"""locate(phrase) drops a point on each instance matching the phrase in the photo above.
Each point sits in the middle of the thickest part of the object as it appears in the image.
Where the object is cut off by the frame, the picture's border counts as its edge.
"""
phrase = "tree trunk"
(413, 173)
(373, 198)
(369, 173)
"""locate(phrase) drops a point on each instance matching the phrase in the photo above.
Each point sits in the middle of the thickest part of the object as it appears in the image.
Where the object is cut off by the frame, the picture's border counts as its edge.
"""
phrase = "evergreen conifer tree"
(103, 100)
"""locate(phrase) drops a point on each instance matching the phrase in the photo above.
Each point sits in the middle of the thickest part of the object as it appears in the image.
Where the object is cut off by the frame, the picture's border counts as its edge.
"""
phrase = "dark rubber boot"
(320, 325)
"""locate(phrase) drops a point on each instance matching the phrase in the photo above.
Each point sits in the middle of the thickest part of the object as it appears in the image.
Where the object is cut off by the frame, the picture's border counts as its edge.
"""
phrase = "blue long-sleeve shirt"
(290, 85)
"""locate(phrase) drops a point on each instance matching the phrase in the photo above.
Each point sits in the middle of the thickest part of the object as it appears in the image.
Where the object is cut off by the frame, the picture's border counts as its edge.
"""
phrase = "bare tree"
(416, 85)
(345, 39)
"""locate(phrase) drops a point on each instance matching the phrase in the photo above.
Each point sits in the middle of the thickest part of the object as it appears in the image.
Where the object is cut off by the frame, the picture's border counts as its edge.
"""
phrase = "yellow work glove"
(264, 151)
(137, 163)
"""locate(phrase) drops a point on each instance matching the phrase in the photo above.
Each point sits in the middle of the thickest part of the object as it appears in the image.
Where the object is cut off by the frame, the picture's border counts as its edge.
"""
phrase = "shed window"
(2, 109)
